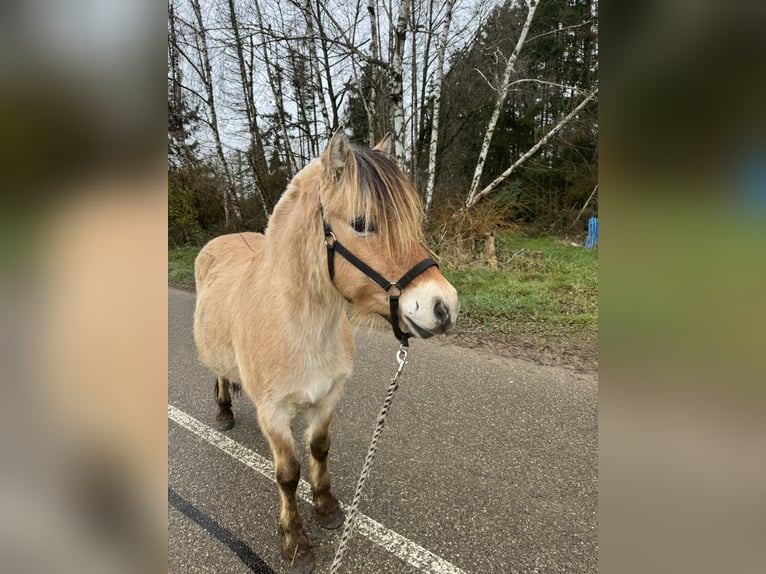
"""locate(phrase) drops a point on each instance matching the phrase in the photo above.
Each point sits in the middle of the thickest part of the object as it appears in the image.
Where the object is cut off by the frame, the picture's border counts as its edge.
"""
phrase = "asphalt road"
(487, 465)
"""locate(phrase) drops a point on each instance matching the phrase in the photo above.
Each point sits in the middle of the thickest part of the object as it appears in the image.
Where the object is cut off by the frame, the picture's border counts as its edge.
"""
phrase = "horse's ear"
(337, 152)
(384, 145)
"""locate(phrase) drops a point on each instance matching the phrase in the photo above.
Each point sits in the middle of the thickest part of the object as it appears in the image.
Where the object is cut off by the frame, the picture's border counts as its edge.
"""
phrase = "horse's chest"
(322, 378)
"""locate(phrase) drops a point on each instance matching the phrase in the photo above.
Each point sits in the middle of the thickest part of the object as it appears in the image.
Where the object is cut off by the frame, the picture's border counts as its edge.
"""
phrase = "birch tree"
(502, 94)
(274, 75)
(371, 104)
(419, 104)
(532, 151)
(206, 75)
(437, 98)
(256, 156)
(326, 68)
(444, 78)
(396, 79)
(319, 89)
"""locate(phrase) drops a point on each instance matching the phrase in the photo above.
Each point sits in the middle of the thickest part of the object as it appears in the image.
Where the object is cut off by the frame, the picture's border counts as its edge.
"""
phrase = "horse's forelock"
(382, 191)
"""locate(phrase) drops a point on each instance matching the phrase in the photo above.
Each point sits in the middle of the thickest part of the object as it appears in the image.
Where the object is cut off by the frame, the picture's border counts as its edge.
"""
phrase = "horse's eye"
(362, 225)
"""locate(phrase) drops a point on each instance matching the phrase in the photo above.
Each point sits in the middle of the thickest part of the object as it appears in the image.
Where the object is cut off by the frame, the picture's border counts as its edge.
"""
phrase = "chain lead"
(351, 514)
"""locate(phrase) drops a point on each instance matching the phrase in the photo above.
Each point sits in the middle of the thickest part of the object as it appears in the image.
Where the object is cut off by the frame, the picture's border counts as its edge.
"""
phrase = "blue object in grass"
(591, 240)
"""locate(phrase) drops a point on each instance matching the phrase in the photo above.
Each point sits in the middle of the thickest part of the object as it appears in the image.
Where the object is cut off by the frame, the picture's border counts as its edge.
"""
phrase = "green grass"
(181, 265)
(543, 285)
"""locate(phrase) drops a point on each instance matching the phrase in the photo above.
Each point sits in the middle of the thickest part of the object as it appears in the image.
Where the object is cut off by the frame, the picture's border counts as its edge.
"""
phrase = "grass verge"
(181, 266)
(542, 284)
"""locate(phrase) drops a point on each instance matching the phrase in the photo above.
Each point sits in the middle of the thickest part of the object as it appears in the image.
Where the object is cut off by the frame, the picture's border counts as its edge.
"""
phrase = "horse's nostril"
(441, 313)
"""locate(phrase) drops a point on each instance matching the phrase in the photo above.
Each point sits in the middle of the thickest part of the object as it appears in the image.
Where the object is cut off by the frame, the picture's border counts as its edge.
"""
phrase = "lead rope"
(348, 528)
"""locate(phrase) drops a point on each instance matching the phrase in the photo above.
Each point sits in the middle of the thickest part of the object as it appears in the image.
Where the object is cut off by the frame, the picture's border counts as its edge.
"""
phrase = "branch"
(472, 200)
(493, 88)
(547, 83)
(592, 193)
(189, 60)
(588, 21)
(188, 89)
(346, 43)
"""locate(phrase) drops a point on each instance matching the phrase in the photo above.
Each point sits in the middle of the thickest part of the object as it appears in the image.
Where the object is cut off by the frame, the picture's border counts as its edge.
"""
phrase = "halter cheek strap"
(394, 290)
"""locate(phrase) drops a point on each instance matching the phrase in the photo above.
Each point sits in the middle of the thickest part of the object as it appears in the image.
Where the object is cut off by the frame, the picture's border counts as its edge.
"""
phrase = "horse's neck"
(299, 261)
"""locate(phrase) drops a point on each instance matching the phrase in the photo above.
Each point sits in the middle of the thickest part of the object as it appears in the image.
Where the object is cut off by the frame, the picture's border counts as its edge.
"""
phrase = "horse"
(272, 309)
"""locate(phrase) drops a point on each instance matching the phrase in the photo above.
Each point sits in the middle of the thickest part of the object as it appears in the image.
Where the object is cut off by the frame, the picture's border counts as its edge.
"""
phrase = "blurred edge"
(682, 469)
(83, 275)
(83, 286)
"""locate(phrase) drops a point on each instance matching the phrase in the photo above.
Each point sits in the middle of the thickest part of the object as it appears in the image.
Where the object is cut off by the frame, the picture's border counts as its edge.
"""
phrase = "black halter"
(394, 290)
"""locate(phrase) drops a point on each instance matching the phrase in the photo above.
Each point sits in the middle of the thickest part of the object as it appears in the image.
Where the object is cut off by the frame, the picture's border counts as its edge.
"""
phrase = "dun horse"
(271, 315)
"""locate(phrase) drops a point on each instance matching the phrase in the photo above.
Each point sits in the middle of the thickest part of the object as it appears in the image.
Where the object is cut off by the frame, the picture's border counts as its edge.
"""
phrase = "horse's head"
(375, 213)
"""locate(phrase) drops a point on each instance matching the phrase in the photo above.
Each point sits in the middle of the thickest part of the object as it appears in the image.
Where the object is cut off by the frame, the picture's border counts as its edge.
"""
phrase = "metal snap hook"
(401, 357)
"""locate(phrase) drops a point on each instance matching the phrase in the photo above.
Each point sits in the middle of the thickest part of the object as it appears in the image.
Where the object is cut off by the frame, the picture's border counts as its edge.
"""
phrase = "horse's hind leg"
(327, 507)
(295, 548)
(224, 416)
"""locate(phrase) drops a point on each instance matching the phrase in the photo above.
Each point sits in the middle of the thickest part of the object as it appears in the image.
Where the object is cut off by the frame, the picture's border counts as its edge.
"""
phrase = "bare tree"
(502, 94)
(288, 65)
(331, 94)
(178, 149)
(274, 75)
(371, 105)
(437, 98)
(421, 60)
(206, 75)
(396, 78)
(319, 88)
(256, 156)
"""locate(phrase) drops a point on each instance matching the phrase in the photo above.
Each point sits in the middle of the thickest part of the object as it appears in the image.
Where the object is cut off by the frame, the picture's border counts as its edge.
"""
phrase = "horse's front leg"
(328, 510)
(295, 549)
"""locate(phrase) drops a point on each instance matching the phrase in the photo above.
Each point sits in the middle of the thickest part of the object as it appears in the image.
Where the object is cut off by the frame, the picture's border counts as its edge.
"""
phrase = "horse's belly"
(212, 336)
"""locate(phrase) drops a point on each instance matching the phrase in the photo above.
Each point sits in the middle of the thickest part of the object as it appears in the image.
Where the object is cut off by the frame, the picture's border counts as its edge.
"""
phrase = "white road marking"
(398, 545)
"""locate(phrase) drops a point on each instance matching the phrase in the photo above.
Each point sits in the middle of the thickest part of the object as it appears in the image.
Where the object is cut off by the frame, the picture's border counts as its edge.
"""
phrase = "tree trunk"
(498, 180)
(396, 79)
(327, 71)
(252, 113)
(176, 101)
(302, 96)
(175, 70)
(276, 89)
(438, 81)
(229, 204)
(372, 106)
(424, 84)
(510, 67)
(318, 87)
(587, 202)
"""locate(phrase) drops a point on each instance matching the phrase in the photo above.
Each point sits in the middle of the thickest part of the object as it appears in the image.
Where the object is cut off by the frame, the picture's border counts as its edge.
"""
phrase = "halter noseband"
(394, 290)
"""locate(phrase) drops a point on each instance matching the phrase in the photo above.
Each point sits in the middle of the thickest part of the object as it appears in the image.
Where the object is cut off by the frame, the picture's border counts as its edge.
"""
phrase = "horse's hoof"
(225, 424)
(332, 521)
(301, 563)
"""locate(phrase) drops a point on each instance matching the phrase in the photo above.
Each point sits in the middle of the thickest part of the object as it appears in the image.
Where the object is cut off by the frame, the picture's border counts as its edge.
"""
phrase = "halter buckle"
(327, 241)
